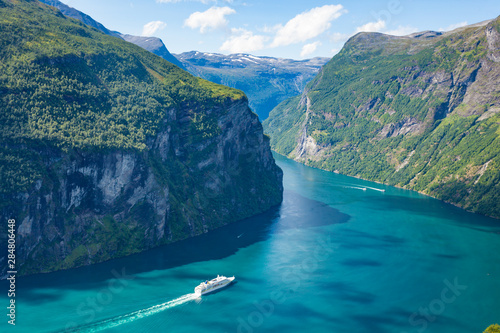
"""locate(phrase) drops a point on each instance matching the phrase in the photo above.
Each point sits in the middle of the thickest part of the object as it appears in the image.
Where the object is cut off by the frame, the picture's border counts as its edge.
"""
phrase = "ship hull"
(218, 286)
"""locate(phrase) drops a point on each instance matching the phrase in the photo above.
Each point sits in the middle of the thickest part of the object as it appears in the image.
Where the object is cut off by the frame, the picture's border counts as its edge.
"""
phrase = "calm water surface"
(339, 255)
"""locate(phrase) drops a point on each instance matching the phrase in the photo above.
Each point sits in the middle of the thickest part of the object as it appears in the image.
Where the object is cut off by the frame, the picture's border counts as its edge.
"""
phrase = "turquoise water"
(339, 255)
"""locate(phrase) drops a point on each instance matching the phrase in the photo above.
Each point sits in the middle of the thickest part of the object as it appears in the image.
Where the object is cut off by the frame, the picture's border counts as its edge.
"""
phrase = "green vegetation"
(264, 90)
(66, 85)
(392, 110)
(76, 105)
(101, 240)
(493, 329)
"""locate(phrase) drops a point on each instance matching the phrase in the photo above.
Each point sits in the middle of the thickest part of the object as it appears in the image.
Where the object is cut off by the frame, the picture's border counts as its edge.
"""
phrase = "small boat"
(213, 285)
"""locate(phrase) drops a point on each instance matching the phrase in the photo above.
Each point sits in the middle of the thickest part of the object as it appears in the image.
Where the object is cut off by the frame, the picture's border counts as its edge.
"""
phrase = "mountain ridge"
(265, 80)
(420, 112)
(264, 86)
(151, 44)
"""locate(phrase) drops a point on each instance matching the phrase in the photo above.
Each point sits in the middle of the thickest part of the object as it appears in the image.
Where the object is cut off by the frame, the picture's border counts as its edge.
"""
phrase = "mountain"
(152, 44)
(76, 14)
(107, 149)
(421, 112)
(266, 81)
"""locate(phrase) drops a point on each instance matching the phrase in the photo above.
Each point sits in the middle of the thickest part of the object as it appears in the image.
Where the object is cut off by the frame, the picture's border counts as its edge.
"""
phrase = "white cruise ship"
(212, 285)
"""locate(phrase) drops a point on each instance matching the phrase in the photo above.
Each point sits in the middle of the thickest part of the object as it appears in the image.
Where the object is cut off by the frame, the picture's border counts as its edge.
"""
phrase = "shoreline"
(396, 186)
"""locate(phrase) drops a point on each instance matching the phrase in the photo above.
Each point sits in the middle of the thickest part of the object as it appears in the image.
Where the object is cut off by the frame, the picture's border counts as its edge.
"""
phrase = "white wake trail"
(355, 187)
(358, 187)
(375, 189)
(133, 316)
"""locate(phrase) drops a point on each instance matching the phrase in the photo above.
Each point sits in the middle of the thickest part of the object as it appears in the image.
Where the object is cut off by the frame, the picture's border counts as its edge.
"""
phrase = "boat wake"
(364, 188)
(375, 189)
(355, 187)
(133, 316)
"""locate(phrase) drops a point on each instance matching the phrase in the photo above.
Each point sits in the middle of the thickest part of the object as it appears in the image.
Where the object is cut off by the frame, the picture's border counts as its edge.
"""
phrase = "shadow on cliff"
(296, 212)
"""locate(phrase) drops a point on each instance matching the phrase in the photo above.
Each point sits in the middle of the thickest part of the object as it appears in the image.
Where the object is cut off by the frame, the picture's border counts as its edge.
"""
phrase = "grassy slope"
(377, 82)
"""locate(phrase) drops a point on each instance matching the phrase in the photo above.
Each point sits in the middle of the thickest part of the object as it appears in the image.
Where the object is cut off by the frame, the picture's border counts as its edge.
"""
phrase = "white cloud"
(307, 25)
(454, 26)
(309, 48)
(337, 37)
(401, 31)
(372, 27)
(270, 30)
(380, 26)
(150, 28)
(242, 41)
(212, 18)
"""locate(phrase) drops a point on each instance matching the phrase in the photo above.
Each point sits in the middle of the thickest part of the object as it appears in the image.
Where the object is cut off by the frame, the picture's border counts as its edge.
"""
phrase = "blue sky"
(278, 28)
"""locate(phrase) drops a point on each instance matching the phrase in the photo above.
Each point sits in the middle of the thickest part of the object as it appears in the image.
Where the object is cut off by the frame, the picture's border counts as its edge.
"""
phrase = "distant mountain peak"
(266, 81)
(245, 59)
(412, 43)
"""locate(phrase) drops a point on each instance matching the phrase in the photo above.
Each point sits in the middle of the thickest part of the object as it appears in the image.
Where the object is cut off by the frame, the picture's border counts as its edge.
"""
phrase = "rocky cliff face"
(95, 206)
(108, 150)
(418, 111)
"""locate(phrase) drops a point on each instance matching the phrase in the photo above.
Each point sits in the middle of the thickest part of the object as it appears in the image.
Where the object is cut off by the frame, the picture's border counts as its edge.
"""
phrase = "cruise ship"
(212, 285)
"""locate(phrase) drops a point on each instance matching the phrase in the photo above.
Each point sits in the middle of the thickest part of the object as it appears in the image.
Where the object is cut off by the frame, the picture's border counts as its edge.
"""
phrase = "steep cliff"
(108, 150)
(420, 111)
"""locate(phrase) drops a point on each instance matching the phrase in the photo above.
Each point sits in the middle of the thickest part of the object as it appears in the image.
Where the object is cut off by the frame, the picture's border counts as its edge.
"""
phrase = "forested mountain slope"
(419, 111)
(107, 149)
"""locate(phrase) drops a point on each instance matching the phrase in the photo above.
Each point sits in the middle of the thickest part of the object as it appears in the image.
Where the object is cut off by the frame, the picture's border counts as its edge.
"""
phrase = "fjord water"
(339, 255)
